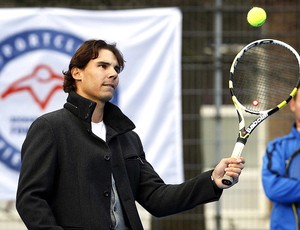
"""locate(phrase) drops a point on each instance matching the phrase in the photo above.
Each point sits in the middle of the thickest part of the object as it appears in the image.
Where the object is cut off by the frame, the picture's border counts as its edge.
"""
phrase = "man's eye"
(117, 69)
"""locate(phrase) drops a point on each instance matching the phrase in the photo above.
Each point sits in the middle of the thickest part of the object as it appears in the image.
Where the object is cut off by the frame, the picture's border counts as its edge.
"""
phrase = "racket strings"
(264, 76)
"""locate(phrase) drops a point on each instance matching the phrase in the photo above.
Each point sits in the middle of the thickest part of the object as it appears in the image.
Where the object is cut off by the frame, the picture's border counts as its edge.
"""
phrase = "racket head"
(264, 76)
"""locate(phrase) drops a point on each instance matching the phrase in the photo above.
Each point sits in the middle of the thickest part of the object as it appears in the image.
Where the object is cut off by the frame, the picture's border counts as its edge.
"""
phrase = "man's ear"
(292, 105)
(76, 73)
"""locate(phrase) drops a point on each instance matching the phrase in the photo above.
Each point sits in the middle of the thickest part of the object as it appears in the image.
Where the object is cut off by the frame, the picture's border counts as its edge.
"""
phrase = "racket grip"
(237, 152)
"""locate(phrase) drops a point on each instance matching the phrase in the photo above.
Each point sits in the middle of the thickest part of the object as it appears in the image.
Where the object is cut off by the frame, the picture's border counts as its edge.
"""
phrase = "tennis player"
(83, 166)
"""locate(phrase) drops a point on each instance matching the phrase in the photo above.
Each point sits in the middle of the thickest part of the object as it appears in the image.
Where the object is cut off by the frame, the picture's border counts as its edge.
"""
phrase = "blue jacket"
(282, 191)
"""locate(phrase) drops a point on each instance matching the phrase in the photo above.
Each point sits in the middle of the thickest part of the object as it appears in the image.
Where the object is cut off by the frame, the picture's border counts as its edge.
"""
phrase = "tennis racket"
(264, 77)
(292, 170)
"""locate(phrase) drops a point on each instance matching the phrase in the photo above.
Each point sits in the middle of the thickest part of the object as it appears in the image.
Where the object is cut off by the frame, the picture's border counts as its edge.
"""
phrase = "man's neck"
(98, 113)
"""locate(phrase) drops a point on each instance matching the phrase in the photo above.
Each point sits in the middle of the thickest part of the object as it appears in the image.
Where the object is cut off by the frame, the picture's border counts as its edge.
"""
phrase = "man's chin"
(106, 99)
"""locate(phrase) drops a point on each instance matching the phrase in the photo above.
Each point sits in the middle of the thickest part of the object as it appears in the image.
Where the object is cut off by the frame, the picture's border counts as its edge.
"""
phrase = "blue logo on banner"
(33, 40)
(14, 47)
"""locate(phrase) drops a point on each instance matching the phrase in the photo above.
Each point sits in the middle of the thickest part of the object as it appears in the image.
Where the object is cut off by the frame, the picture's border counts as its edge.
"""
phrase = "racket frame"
(244, 132)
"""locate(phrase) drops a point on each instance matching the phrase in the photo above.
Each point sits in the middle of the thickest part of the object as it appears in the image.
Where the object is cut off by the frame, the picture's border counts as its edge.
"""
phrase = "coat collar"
(83, 108)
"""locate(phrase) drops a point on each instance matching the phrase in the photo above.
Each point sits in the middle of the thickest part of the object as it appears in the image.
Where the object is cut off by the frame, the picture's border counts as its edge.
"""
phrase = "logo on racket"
(31, 65)
(256, 122)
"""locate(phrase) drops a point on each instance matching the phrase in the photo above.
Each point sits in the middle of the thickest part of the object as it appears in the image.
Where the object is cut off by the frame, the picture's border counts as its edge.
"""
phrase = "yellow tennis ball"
(256, 16)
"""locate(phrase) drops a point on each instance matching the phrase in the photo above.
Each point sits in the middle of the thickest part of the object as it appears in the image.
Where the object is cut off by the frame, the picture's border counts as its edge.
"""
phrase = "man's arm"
(37, 177)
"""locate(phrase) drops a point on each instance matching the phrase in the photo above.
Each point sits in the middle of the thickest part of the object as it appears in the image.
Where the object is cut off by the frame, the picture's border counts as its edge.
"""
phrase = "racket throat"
(243, 136)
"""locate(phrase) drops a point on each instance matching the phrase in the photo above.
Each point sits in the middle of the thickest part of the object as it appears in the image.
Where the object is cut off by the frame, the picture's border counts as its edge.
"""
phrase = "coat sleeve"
(37, 174)
(277, 186)
(162, 199)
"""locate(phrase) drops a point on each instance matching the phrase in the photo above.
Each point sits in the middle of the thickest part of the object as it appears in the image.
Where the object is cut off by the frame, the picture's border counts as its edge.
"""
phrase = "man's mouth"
(109, 85)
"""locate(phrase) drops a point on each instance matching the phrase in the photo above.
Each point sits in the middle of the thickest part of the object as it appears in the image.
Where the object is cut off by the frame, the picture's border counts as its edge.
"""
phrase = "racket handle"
(237, 152)
(238, 149)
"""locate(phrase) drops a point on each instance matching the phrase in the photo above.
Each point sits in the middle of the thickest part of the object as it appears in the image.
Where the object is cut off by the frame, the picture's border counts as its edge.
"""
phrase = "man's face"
(295, 106)
(99, 79)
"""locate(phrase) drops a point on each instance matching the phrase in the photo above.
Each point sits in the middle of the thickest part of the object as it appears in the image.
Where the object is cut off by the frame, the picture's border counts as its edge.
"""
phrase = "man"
(83, 167)
(279, 188)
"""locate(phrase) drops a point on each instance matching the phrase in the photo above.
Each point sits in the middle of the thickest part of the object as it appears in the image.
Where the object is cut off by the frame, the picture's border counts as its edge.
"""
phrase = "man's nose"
(113, 73)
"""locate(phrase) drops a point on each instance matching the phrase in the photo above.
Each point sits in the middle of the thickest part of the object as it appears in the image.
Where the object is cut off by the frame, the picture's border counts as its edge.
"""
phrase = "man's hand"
(229, 166)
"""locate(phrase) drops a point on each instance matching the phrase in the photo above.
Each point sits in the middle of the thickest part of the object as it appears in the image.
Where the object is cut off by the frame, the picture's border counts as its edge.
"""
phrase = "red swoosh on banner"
(38, 79)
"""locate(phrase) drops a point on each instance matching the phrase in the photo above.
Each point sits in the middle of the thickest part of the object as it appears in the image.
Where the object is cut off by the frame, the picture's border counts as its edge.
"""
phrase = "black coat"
(65, 178)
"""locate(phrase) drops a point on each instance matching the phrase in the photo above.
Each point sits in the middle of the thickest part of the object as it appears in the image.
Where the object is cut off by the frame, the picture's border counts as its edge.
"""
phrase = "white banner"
(36, 45)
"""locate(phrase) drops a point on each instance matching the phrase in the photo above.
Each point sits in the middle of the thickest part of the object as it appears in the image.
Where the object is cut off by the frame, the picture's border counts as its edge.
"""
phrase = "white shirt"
(116, 213)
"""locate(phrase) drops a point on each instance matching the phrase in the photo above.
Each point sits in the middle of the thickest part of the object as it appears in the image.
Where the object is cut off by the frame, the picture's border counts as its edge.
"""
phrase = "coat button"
(107, 157)
(106, 193)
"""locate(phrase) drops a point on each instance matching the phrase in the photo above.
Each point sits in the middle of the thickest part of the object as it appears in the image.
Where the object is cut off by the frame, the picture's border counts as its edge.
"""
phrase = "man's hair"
(87, 51)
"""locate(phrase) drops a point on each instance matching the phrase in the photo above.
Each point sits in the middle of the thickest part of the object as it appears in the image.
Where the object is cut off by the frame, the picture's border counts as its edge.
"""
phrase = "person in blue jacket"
(282, 190)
